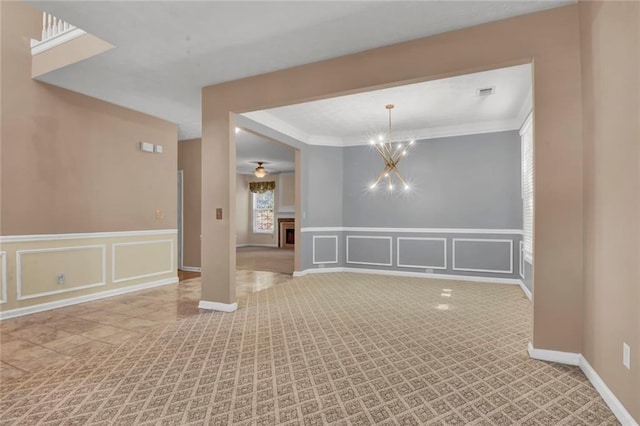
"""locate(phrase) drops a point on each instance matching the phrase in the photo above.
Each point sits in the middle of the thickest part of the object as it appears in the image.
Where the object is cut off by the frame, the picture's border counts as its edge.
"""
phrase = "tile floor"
(32, 342)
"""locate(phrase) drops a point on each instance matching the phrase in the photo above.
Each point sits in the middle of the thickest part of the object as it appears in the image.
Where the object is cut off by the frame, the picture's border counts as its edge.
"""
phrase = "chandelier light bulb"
(386, 175)
(380, 138)
(404, 152)
(406, 187)
(373, 186)
(372, 142)
(412, 142)
(390, 187)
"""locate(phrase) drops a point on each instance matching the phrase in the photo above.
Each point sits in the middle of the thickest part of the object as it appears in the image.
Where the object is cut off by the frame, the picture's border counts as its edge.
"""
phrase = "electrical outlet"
(626, 355)
(60, 278)
(159, 215)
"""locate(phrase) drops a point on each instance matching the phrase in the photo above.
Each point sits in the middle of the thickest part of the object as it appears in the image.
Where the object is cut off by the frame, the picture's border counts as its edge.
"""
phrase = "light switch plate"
(626, 355)
(158, 149)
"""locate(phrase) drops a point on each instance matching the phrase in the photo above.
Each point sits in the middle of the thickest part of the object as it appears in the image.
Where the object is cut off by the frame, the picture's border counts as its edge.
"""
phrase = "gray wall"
(468, 187)
(325, 179)
(457, 182)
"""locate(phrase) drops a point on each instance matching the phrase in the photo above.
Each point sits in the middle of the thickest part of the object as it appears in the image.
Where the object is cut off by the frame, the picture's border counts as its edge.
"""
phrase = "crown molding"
(267, 119)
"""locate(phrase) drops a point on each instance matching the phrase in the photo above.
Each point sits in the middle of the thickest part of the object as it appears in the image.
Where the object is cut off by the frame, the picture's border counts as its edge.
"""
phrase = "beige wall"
(287, 192)
(611, 91)
(243, 208)
(190, 162)
(71, 163)
(550, 39)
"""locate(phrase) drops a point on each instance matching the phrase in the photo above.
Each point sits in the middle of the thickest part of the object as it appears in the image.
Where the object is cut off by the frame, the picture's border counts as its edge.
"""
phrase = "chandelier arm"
(387, 151)
(380, 176)
(399, 176)
(379, 151)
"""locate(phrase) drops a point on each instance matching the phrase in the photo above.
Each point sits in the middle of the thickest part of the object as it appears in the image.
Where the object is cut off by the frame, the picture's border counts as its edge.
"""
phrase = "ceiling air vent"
(486, 91)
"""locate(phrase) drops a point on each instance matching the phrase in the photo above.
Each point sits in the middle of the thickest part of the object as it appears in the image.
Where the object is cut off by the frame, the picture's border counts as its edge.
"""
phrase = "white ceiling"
(250, 148)
(167, 51)
(444, 107)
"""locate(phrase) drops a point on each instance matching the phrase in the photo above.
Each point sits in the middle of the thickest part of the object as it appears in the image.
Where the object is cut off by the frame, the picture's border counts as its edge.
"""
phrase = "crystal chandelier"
(391, 153)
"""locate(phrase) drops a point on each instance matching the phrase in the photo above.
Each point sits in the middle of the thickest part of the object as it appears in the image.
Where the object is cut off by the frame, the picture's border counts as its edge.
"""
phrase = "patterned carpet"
(324, 349)
(265, 259)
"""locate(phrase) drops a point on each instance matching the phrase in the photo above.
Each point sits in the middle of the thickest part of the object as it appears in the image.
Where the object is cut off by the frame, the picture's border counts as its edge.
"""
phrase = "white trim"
(497, 271)
(444, 240)
(181, 224)
(371, 237)
(621, 413)
(50, 43)
(528, 256)
(135, 243)
(78, 236)
(217, 306)
(413, 230)
(3, 288)
(521, 260)
(490, 280)
(313, 248)
(81, 299)
(190, 268)
(256, 245)
(21, 253)
(569, 358)
(525, 290)
(318, 271)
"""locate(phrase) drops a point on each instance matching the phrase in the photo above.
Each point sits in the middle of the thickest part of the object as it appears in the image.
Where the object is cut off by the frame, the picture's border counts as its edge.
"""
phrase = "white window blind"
(526, 136)
(263, 214)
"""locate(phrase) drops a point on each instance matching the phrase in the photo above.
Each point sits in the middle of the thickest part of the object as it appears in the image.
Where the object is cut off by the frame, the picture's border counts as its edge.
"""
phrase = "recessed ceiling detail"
(437, 108)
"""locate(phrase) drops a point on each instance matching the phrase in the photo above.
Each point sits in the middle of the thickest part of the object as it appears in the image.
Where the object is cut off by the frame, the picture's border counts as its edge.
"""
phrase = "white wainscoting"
(484, 240)
(21, 253)
(497, 231)
(114, 248)
(313, 249)
(85, 235)
(521, 262)
(444, 248)
(370, 237)
(3, 283)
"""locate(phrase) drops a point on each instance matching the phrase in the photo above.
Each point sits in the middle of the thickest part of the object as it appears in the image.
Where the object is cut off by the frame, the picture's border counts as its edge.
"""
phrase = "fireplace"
(286, 232)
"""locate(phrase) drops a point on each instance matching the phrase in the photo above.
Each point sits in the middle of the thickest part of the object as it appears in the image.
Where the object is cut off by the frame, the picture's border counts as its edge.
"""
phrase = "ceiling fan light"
(260, 171)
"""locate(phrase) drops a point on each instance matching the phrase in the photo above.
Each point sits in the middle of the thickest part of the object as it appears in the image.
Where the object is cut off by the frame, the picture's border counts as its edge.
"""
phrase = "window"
(263, 212)
(526, 135)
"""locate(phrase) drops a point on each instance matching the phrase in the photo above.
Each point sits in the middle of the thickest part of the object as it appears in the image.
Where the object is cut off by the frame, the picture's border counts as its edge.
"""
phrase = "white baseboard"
(491, 280)
(621, 413)
(525, 290)
(571, 358)
(217, 306)
(18, 312)
(190, 268)
(318, 271)
(256, 245)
